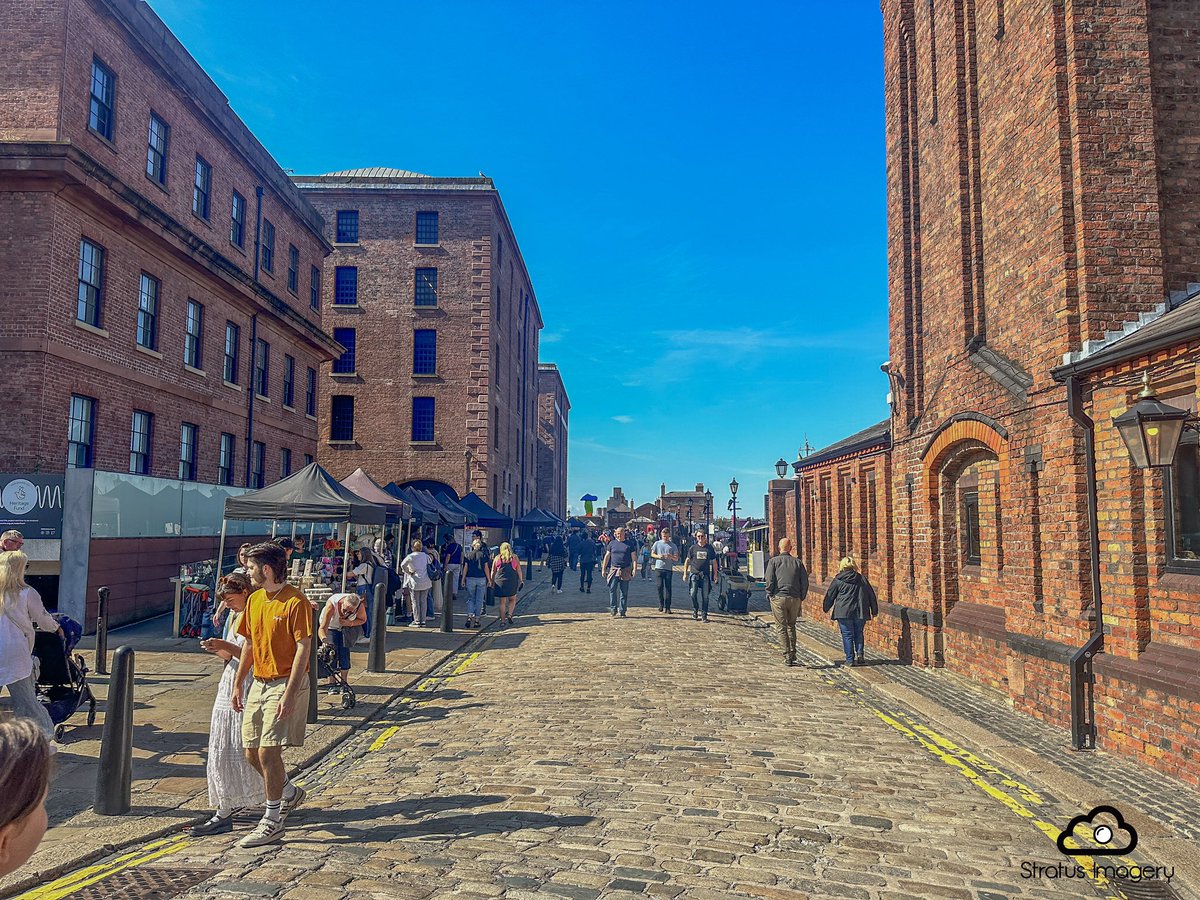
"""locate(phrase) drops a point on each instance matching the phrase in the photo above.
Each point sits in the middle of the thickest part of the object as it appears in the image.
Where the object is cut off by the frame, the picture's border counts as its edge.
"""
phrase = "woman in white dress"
(232, 782)
(415, 567)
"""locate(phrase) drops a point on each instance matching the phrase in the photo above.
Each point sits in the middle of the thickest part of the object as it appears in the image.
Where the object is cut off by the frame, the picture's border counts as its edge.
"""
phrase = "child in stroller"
(62, 676)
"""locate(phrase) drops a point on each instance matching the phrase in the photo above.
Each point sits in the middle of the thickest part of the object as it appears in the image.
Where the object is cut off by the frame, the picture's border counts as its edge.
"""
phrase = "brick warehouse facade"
(126, 260)
(1043, 172)
(427, 281)
(553, 415)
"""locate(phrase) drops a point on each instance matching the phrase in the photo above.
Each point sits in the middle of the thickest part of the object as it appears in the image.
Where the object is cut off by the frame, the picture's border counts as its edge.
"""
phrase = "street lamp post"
(781, 467)
(691, 519)
(708, 510)
(733, 489)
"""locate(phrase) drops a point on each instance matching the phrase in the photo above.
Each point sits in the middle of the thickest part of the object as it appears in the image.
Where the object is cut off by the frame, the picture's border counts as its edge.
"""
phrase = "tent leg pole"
(274, 526)
(346, 558)
(220, 549)
(293, 531)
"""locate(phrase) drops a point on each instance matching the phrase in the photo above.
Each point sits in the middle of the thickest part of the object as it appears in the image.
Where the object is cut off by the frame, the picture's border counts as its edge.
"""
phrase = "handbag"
(434, 570)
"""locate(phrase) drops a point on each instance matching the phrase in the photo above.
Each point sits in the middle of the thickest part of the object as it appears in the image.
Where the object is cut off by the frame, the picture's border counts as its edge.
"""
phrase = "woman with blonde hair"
(507, 578)
(415, 568)
(24, 783)
(20, 611)
(851, 602)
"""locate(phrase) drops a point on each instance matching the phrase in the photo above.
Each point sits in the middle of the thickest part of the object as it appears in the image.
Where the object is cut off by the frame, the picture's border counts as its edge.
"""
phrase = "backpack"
(434, 570)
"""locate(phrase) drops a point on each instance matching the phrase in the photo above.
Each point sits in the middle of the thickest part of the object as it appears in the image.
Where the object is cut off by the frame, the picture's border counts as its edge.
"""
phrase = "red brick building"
(553, 415)
(1043, 182)
(149, 244)
(428, 292)
(693, 506)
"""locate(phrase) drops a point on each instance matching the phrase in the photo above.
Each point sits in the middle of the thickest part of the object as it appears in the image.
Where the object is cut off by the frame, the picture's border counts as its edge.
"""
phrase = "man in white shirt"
(665, 554)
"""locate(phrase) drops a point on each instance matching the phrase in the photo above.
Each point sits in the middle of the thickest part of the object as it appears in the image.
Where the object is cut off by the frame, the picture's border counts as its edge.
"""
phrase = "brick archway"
(966, 440)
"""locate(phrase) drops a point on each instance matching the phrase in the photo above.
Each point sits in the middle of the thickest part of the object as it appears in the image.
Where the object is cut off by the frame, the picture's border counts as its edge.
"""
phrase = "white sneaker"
(415, 624)
(265, 832)
(362, 640)
(286, 805)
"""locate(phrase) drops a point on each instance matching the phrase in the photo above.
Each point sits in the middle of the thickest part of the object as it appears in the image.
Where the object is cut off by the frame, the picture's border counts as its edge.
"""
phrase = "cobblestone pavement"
(577, 755)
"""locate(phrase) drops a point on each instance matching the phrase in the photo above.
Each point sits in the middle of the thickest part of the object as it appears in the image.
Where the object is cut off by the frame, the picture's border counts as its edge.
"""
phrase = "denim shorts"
(339, 644)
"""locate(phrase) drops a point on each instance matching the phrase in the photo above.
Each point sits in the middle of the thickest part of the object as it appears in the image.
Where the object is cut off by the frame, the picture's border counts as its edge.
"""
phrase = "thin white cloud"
(624, 420)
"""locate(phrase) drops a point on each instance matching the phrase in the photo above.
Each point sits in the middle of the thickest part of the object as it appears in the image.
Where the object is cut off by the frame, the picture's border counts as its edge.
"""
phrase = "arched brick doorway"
(965, 474)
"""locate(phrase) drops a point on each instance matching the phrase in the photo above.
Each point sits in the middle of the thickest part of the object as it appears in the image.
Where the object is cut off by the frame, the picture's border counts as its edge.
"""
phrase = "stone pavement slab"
(578, 755)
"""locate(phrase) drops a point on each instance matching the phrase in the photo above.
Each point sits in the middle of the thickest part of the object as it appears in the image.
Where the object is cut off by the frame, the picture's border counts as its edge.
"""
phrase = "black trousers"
(585, 574)
(663, 577)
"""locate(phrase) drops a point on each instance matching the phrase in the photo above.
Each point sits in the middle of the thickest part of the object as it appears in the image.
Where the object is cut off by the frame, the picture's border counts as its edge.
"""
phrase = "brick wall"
(485, 401)
(553, 410)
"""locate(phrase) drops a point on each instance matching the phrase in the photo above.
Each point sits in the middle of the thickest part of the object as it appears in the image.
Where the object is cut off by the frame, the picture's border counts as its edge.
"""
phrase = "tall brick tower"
(1043, 188)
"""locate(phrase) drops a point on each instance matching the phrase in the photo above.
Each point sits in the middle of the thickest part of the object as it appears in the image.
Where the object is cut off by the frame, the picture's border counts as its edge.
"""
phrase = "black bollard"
(312, 667)
(529, 565)
(447, 604)
(102, 632)
(114, 774)
(377, 652)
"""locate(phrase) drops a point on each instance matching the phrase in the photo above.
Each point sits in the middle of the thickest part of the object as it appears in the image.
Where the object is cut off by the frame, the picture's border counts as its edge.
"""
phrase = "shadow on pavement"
(343, 823)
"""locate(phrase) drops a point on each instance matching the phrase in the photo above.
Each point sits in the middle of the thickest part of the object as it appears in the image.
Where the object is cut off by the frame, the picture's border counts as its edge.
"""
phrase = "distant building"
(618, 510)
(688, 507)
(160, 335)
(553, 411)
(428, 293)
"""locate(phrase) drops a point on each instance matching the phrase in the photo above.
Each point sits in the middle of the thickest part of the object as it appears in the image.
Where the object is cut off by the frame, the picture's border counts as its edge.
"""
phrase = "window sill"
(290, 409)
(427, 246)
(425, 376)
(91, 329)
(200, 218)
(261, 399)
(310, 417)
(195, 371)
(140, 349)
(346, 306)
(107, 142)
(432, 307)
(424, 445)
(232, 386)
(345, 375)
(239, 249)
(162, 187)
(347, 244)
(344, 444)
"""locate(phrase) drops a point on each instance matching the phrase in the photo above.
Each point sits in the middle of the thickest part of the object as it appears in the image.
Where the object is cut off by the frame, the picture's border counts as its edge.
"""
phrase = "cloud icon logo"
(1111, 839)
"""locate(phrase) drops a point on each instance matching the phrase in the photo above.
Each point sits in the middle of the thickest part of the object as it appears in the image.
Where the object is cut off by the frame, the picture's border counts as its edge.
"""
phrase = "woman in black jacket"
(851, 602)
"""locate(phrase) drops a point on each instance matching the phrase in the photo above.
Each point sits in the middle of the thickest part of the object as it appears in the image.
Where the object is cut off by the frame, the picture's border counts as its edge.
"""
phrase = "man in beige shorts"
(277, 626)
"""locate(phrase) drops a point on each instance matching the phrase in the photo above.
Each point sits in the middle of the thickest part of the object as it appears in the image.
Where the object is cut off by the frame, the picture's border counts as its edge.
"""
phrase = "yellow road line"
(85, 877)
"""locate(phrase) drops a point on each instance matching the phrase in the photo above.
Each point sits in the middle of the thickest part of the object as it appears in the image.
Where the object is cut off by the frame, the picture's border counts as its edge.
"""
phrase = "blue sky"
(699, 197)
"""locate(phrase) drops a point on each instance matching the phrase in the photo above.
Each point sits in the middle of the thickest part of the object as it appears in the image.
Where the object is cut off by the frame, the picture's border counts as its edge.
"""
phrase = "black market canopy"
(423, 511)
(362, 484)
(485, 516)
(537, 518)
(309, 495)
(455, 511)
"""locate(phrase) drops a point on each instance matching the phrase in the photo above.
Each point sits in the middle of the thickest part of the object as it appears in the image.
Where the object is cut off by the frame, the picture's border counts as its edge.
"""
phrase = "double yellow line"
(89, 875)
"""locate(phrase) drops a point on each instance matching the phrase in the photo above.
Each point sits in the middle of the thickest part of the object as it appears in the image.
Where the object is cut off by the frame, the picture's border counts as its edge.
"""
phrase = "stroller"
(327, 665)
(62, 677)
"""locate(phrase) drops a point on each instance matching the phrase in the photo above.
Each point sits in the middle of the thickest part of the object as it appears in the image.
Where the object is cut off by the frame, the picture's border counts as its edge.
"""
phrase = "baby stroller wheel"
(348, 698)
(58, 732)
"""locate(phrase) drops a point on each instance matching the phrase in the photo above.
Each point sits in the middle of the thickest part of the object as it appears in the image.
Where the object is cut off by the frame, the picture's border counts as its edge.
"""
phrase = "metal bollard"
(528, 564)
(312, 667)
(377, 651)
(114, 774)
(102, 632)
(448, 604)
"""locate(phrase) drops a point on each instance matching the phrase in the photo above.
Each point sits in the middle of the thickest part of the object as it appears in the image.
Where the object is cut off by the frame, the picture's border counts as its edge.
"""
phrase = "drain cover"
(1144, 890)
(143, 884)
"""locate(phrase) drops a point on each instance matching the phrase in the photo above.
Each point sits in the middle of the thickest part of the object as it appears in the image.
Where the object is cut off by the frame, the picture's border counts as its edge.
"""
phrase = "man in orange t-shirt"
(277, 626)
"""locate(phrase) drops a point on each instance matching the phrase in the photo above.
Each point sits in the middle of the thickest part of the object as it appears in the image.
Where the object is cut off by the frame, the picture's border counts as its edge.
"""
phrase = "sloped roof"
(374, 172)
(877, 435)
(1178, 326)
(309, 495)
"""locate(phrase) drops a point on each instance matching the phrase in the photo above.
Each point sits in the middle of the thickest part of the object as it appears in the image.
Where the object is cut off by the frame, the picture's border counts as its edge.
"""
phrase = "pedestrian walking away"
(21, 612)
(700, 569)
(851, 602)
(556, 562)
(508, 580)
(617, 571)
(476, 579)
(233, 783)
(574, 541)
(787, 586)
(644, 554)
(415, 568)
(665, 554)
(277, 626)
(587, 563)
(24, 784)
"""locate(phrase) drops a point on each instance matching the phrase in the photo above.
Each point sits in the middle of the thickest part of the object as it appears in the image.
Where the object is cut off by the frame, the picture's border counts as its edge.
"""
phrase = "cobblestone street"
(578, 755)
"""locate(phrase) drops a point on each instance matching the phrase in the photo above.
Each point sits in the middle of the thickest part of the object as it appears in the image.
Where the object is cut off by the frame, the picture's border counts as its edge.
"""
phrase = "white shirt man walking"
(665, 554)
